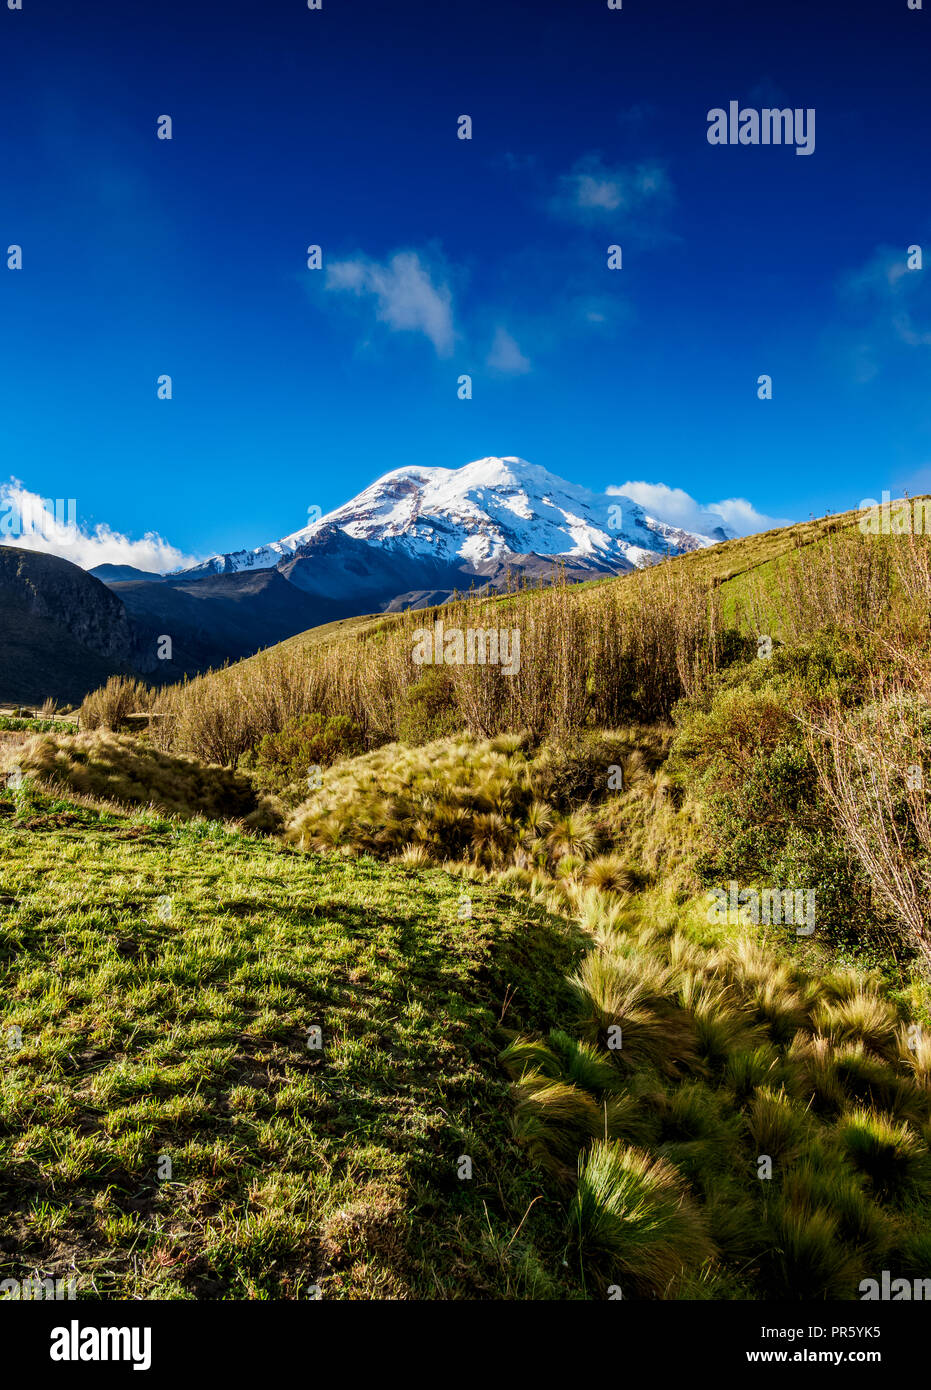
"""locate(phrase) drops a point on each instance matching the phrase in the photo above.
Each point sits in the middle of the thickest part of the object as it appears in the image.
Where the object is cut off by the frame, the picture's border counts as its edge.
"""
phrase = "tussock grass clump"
(892, 1156)
(778, 1126)
(804, 1153)
(554, 1120)
(611, 873)
(749, 1069)
(872, 1083)
(822, 1183)
(564, 1058)
(482, 801)
(809, 1259)
(915, 1051)
(814, 1075)
(721, 1023)
(863, 1017)
(583, 1064)
(626, 1005)
(633, 1219)
(117, 768)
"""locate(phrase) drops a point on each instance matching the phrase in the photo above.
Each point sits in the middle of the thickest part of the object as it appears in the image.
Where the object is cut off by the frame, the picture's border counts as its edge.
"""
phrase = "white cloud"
(406, 297)
(31, 522)
(591, 190)
(506, 356)
(674, 506)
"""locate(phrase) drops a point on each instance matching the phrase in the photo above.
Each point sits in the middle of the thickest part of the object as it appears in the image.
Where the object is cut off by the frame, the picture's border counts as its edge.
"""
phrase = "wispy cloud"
(592, 191)
(506, 356)
(677, 508)
(32, 522)
(887, 309)
(408, 297)
(634, 117)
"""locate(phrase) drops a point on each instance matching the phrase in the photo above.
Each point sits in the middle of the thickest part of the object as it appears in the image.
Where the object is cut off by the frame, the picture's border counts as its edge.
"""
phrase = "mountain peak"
(485, 510)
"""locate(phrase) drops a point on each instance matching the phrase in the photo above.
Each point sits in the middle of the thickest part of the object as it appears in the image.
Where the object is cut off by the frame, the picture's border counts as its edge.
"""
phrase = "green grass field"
(159, 982)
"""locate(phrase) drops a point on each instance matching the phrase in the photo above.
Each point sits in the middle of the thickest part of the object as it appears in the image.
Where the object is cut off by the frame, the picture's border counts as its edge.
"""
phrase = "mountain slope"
(62, 631)
(214, 619)
(118, 574)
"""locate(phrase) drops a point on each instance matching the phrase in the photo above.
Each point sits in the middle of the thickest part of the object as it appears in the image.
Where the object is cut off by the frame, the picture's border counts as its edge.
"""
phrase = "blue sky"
(295, 388)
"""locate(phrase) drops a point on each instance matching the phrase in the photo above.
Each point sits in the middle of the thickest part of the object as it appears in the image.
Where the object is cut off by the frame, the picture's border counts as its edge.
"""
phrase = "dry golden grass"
(108, 707)
(593, 657)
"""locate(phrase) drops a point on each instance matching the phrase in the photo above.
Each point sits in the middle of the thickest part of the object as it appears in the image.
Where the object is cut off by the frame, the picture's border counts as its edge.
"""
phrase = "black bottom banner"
(242, 1340)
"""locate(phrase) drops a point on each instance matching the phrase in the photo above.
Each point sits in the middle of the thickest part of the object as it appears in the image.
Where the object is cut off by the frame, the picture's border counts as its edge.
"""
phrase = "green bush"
(15, 724)
(313, 741)
(430, 710)
(741, 752)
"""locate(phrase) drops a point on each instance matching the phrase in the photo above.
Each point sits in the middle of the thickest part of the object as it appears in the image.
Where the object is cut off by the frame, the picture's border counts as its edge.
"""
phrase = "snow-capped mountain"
(413, 539)
(487, 511)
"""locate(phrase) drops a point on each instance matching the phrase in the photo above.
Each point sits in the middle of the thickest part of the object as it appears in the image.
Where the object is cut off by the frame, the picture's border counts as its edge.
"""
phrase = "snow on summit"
(486, 510)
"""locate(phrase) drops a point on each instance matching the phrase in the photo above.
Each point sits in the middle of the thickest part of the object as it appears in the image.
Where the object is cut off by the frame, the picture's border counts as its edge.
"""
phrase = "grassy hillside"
(590, 654)
(761, 1130)
(722, 563)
